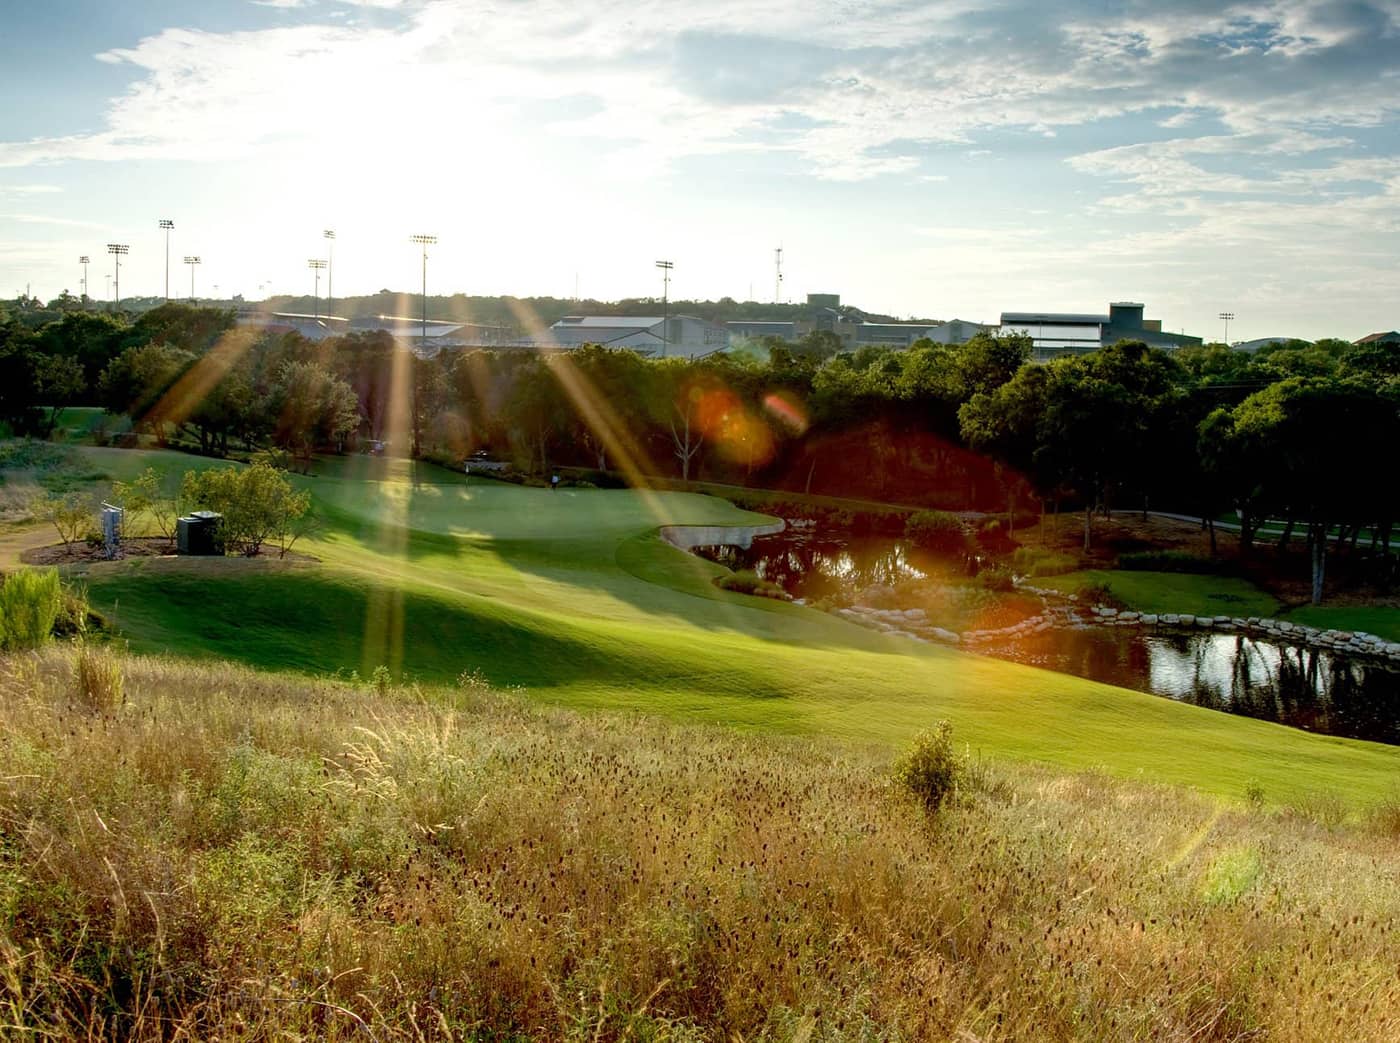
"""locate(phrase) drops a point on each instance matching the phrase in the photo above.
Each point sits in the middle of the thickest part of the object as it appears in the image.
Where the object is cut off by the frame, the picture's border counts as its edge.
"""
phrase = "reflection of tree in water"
(1293, 685)
(813, 567)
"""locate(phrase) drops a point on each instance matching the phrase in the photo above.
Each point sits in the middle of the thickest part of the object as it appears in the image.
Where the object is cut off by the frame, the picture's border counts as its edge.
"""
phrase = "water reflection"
(1303, 687)
(810, 566)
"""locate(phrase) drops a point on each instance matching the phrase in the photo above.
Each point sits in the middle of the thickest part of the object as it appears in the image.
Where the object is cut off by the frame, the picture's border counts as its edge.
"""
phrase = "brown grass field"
(205, 852)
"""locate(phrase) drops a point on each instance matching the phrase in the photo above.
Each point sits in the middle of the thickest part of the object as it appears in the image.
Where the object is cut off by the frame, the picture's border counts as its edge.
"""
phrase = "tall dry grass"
(241, 856)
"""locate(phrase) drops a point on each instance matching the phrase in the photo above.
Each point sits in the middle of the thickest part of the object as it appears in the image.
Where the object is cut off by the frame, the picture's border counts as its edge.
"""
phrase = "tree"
(311, 408)
(538, 411)
(19, 381)
(1303, 443)
(59, 382)
(257, 503)
(137, 381)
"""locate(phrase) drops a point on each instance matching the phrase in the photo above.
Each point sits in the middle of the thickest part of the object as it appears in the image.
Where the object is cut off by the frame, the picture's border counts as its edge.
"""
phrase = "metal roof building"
(1075, 333)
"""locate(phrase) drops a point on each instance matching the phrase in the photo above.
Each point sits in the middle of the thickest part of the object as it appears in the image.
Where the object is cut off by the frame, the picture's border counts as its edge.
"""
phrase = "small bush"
(98, 681)
(1100, 594)
(1254, 793)
(936, 531)
(1168, 561)
(601, 480)
(75, 616)
(931, 769)
(1037, 561)
(30, 601)
(381, 680)
(747, 581)
(996, 578)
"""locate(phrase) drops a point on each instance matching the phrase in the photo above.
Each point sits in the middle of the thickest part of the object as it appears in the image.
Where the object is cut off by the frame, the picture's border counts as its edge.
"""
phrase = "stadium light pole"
(192, 261)
(424, 241)
(315, 264)
(83, 260)
(118, 251)
(665, 267)
(1226, 316)
(329, 236)
(166, 224)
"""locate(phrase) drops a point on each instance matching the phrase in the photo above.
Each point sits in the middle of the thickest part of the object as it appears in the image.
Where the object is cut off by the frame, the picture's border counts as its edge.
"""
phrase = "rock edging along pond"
(688, 537)
(914, 623)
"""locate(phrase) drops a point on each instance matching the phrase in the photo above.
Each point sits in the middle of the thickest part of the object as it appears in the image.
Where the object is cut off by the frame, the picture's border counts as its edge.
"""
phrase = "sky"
(931, 158)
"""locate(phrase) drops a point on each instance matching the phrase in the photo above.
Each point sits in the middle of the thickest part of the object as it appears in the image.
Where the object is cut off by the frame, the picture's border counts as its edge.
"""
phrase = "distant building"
(1264, 342)
(1058, 333)
(649, 335)
(755, 329)
(424, 339)
(1390, 338)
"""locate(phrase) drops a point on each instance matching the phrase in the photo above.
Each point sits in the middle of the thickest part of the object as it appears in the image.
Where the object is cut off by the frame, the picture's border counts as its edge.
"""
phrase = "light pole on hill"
(315, 264)
(192, 261)
(329, 236)
(166, 225)
(118, 251)
(424, 241)
(83, 260)
(665, 267)
(1225, 317)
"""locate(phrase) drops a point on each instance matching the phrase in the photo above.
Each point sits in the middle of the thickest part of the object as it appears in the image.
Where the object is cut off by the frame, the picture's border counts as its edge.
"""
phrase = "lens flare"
(787, 409)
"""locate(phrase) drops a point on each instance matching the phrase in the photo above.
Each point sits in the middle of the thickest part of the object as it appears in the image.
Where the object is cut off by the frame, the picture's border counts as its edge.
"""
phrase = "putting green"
(571, 594)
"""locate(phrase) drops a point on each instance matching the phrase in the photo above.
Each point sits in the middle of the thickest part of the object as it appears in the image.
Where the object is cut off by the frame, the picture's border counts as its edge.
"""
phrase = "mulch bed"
(79, 553)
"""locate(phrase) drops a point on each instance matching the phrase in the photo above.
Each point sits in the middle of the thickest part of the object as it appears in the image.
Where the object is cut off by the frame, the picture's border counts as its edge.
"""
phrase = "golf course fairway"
(573, 596)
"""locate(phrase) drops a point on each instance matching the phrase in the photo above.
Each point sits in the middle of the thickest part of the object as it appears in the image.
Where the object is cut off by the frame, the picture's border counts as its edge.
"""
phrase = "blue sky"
(940, 158)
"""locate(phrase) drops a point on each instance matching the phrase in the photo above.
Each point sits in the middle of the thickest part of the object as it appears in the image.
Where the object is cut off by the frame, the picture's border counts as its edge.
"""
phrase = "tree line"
(1294, 433)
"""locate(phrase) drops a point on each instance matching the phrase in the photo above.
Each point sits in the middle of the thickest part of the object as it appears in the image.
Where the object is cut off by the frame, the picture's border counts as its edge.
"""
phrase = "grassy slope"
(568, 594)
(245, 856)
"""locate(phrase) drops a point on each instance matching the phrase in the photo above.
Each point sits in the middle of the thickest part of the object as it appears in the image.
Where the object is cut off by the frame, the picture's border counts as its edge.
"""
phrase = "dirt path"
(16, 541)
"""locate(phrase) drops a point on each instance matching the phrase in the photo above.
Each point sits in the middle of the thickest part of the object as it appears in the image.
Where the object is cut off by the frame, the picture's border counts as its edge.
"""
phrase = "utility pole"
(167, 225)
(316, 265)
(329, 236)
(192, 261)
(1225, 317)
(424, 241)
(665, 267)
(83, 260)
(778, 282)
(118, 251)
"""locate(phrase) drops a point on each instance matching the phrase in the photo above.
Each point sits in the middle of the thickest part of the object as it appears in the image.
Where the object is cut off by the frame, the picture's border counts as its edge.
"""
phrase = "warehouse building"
(1059, 333)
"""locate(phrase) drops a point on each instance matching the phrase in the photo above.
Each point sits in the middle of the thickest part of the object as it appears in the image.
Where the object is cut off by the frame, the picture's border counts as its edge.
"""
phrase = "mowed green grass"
(1173, 592)
(1225, 596)
(571, 595)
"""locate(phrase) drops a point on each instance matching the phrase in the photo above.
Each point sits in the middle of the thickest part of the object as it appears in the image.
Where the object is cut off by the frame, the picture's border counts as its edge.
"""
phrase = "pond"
(1303, 687)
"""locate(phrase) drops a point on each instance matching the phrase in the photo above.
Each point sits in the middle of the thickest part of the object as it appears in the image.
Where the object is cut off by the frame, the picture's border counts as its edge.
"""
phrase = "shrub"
(98, 681)
(747, 581)
(30, 600)
(996, 578)
(992, 535)
(936, 531)
(1100, 594)
(257, 503)
(382, 680)
(1254, 793)
(75, 616)
(1168, 561)
(602, 480)
(1038, 561)
(71, 514)
(931, 769)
